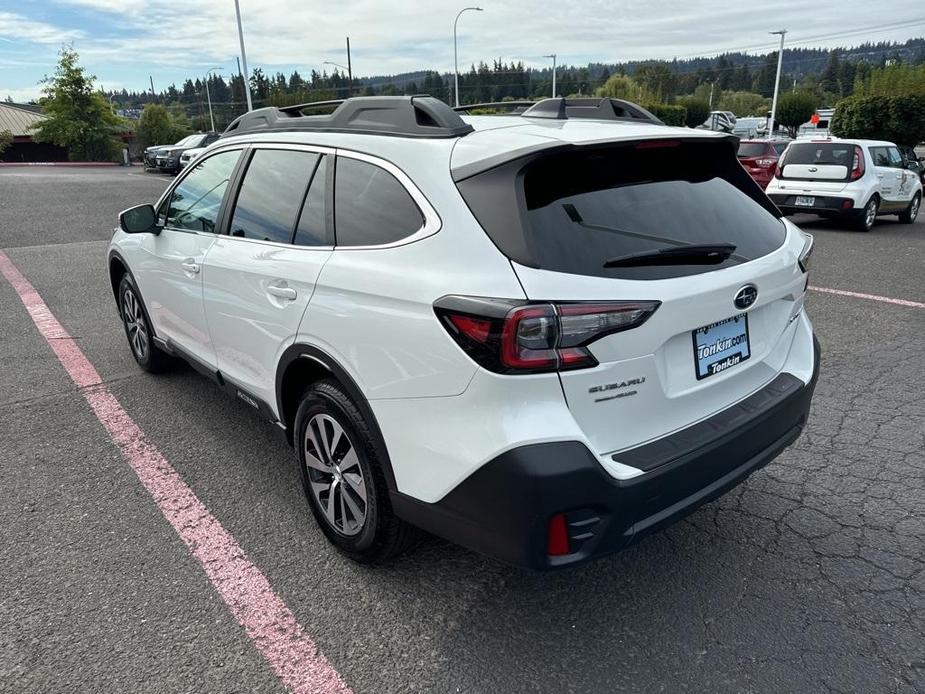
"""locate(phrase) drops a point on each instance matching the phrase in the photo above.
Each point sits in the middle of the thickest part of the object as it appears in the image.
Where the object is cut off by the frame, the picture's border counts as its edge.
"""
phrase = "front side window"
(272, 194)
(370, 206)
(195, 202)
(312, 229)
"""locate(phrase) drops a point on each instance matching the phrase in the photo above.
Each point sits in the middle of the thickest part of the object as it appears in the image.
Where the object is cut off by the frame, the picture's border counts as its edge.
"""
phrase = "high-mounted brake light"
(658, 144)
(509, 336)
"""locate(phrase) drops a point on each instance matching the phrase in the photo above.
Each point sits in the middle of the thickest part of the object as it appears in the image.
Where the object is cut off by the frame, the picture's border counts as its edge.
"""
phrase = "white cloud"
(16, 27)
(389, 37)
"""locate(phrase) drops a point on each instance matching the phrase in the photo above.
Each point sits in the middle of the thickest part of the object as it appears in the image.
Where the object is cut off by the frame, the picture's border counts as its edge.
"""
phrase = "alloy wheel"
(135, 323)
(335, 475)
(870, 214)
(914, 209)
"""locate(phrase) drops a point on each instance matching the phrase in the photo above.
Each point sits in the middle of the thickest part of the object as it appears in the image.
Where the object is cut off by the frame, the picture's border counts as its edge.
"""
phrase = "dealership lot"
(809, 577)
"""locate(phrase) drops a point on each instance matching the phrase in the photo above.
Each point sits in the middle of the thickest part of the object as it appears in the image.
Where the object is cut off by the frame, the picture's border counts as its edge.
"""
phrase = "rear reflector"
(557, 544)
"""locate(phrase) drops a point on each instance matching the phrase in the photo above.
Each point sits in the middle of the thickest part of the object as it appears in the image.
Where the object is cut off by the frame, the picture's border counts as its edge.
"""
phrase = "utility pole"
(349, 71)
(455, 52)
(780, 60)
(553, 56)
(247, 86)
(153, 94)
(209, 95)
(712, 84)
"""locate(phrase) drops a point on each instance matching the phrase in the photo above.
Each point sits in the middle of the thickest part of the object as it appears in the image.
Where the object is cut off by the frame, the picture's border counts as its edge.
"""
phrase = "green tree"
(830, 78)
(77, 117)
(158, 126)
(698, 110)
(742, 103)
(624, 87)
(899, 119)
(794, 109)
(6, 139)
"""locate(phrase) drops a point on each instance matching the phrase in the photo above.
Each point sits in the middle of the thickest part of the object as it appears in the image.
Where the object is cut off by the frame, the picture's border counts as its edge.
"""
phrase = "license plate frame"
(805, 201)
(711, 356)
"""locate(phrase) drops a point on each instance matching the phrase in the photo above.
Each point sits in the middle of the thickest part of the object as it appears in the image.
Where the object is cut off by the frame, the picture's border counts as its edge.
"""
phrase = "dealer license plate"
(805, 201)
(720, 346)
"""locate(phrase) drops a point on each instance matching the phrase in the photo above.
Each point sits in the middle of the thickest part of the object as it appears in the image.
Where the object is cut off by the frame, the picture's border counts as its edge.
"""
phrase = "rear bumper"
(823, 204)
(503, 509)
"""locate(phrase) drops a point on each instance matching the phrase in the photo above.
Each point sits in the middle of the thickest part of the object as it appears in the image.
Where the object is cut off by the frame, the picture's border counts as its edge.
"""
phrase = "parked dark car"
(759, 157)
(167, 159)
(912, 161)
(150, 156)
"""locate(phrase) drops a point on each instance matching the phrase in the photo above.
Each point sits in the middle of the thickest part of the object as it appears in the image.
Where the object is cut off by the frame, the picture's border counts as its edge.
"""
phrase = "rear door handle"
(282, 292)
(190, 266)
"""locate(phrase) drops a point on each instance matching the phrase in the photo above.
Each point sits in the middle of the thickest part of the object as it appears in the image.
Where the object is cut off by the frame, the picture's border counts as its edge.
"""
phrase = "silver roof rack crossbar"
(403, 116)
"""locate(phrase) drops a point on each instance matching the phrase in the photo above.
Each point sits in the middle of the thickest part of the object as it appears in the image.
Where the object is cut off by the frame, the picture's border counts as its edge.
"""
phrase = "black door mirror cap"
(139, 220)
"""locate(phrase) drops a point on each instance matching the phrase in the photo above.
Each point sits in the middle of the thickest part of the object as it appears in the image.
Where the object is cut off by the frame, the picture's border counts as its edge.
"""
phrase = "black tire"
(867, 218)
(138, 329)
(908, 215)
(380, 536)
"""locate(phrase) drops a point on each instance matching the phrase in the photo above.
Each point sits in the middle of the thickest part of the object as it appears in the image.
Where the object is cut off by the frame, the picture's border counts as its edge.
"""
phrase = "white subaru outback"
(541, 336)
(856, 180)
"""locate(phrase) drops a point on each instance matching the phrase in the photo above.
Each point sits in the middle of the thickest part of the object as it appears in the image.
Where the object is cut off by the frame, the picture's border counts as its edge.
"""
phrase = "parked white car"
(542, 336)
(189, 155)
(853, 179)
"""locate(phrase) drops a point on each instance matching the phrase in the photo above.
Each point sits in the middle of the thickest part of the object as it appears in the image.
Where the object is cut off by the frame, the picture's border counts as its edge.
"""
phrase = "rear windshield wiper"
(694, 254)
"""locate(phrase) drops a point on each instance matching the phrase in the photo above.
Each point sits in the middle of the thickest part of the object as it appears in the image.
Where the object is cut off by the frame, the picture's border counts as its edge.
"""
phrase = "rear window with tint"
(582, 208)
(821, 153)
(752, 149)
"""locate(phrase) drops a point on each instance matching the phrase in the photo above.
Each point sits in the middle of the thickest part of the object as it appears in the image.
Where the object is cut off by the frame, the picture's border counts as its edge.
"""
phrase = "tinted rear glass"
(752, 149)
(583, 208)
(824, 153)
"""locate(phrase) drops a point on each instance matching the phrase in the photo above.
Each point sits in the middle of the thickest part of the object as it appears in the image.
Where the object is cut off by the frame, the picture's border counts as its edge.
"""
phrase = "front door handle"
(282, 292)
(190, 266)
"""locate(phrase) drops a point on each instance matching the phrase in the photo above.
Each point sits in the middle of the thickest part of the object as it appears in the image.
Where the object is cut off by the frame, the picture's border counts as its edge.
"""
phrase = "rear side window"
(271, 194)
(581, 209)
(370, 206)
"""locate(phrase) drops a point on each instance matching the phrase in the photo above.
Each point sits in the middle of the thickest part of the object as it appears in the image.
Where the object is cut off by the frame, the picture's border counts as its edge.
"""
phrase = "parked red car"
(759, 157)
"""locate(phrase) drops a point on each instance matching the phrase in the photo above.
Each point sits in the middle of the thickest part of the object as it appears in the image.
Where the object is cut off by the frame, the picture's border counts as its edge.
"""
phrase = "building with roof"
(19, 119)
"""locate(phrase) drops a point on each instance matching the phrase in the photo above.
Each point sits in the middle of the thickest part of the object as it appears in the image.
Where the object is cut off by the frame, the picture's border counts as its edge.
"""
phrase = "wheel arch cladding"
(117, 269)
(301, 366)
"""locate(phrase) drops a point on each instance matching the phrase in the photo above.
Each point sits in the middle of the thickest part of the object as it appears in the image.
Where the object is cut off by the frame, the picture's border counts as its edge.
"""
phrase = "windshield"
(187, 141)
(583, 208)
(751, 149)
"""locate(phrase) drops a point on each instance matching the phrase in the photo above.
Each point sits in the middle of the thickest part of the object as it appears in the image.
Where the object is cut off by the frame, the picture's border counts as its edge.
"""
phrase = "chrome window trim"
(432, 222)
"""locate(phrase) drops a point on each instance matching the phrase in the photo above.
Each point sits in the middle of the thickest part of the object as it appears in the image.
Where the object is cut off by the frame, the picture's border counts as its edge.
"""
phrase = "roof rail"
(403, 116)
(561, 108)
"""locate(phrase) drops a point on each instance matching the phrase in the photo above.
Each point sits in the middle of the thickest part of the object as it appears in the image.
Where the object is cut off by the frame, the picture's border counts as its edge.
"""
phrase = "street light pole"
(553, 56)
(209, 95)
(349, 71)
(712, 84)
(110, 102)
(247, 83)
(780, 60)
(342, 67)
(456, 53)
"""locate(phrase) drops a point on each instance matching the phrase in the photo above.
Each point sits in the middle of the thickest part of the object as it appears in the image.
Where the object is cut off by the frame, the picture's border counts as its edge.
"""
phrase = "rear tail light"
(507, 336)
(857, 167)
(806, 252)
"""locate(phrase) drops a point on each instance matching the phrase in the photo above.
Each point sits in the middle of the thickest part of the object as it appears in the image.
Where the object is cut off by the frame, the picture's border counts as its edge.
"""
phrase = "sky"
(123, 42)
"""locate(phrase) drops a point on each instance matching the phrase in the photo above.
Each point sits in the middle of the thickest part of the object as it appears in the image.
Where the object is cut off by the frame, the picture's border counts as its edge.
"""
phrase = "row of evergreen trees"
(832, 74)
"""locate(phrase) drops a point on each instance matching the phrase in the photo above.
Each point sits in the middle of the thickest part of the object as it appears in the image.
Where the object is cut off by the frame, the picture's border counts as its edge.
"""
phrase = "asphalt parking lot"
(810, 577)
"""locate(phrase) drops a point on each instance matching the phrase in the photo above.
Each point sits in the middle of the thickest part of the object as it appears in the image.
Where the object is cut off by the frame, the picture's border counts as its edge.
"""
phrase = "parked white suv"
(853, 179)
(541, 336)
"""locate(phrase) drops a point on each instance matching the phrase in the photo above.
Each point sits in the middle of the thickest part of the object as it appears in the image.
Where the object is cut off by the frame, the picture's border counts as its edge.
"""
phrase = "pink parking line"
(269, 623)
(871, 297)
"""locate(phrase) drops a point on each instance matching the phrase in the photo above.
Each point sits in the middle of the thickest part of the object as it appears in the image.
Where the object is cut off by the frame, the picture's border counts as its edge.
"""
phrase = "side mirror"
(138, 220)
